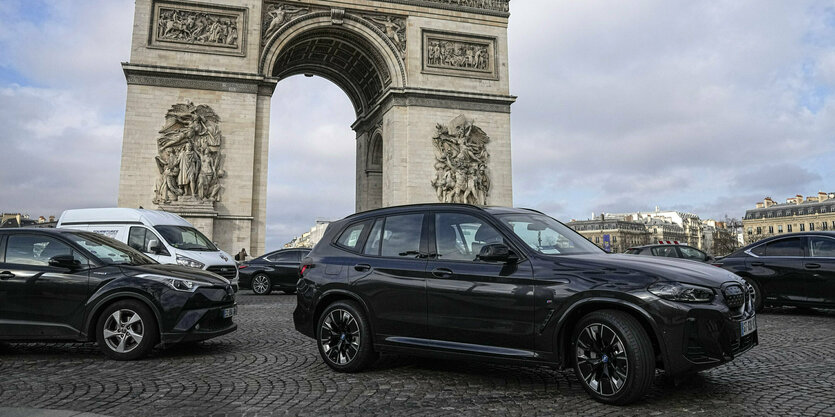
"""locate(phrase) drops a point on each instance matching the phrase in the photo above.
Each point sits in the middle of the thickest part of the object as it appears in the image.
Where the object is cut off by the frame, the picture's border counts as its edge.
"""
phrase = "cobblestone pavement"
(266, 368)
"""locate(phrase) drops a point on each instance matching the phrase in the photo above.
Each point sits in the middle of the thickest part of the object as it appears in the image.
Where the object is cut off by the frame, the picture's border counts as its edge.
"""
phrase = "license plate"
(748, 326)
(229, 312)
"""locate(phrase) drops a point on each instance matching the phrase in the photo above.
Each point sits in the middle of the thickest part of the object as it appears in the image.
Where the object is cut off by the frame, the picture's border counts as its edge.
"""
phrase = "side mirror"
(154, 246)
(64, 261)
(496, 252)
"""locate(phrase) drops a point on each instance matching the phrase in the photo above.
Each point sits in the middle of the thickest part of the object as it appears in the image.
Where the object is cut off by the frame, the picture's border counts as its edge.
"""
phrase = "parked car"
(671, 251)
(459, 281)
(796, 269)
(66, 285)
(276, 270)
(163, 236)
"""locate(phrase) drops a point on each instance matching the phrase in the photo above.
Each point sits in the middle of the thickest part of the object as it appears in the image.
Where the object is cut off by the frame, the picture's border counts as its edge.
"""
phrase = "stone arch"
(354, 54)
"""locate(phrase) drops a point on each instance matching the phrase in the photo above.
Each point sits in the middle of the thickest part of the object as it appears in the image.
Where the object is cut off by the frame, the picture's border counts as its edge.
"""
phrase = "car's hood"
(207, 258)
(176, 271)
(681, 270)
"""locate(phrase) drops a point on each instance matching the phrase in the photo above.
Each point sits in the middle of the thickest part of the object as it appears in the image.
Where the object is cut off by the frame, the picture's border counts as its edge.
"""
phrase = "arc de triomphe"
(428, 80)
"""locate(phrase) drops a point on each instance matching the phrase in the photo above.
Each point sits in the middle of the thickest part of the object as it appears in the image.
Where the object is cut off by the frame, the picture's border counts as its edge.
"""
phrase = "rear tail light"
(242, 266)
(717, 264)
(303, 269)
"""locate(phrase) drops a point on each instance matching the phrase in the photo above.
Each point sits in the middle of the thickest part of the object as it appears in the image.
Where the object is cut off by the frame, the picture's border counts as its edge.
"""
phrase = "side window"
(759, 250)
(460, 237)
(401, 236)
(666, 251)
(285, 257)
(36, 250)
(372, 247)
(136, 238)
(784, 247)
(694, 254)
(350, 238)
(821, 247)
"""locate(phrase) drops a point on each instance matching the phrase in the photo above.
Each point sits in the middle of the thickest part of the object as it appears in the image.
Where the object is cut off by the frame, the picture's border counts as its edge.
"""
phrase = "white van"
(163, 236)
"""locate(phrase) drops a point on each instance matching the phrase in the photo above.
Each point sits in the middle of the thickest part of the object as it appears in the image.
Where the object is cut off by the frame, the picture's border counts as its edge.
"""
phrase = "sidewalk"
(34, 412)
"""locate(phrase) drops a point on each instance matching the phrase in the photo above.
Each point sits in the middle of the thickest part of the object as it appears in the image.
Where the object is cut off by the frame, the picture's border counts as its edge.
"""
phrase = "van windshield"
(186, 238)
(109, 251)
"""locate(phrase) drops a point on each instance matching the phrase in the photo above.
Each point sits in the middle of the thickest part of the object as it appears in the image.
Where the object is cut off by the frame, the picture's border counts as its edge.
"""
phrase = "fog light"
(196, 327)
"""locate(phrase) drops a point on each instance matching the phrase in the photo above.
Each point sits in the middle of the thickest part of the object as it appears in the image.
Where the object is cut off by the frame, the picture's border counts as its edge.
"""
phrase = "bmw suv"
(503, 284)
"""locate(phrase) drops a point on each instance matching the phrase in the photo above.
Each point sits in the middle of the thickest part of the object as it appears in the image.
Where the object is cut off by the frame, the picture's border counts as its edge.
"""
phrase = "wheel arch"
(104, 302)
(579, 309)
(331, 296)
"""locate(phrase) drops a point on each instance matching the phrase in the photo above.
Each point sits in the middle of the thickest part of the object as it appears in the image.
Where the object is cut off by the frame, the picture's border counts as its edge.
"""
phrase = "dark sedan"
(276, 270)
(670, 251)
(795, 269)
(65, 285)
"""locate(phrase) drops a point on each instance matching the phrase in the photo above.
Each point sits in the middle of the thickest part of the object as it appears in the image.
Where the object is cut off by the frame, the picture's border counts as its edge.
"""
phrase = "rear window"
(633, 251)
(665, 251)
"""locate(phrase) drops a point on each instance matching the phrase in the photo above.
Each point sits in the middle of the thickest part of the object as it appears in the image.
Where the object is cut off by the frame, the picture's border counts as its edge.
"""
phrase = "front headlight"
(677, 291)
(178, 284)
(185, 261)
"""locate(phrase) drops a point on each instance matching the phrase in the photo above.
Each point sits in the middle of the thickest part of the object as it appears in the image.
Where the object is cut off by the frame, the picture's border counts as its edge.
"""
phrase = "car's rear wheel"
(126, 330)
(756, 294)
(261, 284)
(613, 357)
(344, 337)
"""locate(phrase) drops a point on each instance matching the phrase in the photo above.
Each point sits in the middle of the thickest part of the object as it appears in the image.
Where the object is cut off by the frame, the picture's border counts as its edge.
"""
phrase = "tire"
(344, 341)
(602, 336)
(126, 330)
(261, 284)
(758, 294)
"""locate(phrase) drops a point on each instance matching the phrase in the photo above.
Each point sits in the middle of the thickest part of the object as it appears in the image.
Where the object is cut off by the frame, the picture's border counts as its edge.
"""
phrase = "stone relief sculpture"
(279, 14)
(462, 174)
(393, 27)
(196, 27)
(442, 53)
(495, 5)
(189, 157)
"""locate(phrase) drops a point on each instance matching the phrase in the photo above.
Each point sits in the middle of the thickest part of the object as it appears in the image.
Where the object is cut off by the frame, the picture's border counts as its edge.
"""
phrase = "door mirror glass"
(495, 252)
(64, 261)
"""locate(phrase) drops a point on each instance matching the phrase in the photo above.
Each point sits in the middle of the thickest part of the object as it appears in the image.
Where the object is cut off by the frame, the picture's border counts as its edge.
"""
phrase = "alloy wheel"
(260, 284)
(340, 337)
(752, 293)
(123, 331)
(601, 359)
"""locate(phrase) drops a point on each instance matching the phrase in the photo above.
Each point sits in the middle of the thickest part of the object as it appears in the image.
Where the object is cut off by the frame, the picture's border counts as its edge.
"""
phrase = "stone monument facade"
(428, 80)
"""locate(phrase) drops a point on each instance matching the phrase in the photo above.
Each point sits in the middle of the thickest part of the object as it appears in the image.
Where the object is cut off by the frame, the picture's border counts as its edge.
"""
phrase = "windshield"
(548, 236)
(109, 251)
(186, 238)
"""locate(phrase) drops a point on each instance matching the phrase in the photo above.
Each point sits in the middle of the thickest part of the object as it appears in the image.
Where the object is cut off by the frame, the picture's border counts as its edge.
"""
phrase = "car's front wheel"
(126, 330)
(261, 284)
(344, 337)
(756, 294)
(613, 357)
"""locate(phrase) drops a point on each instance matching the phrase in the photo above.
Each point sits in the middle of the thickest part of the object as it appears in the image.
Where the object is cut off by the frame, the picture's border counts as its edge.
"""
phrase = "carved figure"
(197, 27)
(394, 31)
(281, 15)
(189, 159)
(458, 55)
(461, 158)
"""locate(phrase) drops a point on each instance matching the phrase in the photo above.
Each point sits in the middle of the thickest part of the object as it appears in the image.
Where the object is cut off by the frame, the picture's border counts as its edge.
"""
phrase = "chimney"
(768, 202)
(760, 205)
(51, 218)
(798, 199)
(822, 196)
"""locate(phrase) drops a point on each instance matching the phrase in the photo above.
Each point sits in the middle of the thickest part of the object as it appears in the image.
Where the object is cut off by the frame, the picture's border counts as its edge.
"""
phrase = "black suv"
(66, 285)
(513, 284)
(796, 269)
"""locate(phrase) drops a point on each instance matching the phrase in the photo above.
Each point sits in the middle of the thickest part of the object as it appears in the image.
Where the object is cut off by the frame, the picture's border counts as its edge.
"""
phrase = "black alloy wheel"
(126, 330)
(345, 337)
(613, 357)
(261, 284)
(756, 295)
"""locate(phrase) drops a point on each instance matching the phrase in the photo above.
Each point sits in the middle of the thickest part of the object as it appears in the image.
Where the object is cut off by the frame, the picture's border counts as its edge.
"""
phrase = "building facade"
(769, 218)
(311, 238)
(613, 235)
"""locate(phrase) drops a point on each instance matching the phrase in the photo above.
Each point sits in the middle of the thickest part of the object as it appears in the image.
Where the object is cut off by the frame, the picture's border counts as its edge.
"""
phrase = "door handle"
(813, 266)
(442, 273)
(362, 267)
(6, 275)
(757, 263)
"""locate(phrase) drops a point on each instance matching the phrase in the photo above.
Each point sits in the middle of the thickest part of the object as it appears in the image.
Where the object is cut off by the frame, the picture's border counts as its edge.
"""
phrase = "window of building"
(614, 239)
(824, 225)
(802, 227)
(770, 229)
(597, 239)
(750, 231)
(811, 227)
(759, 230)
(780, 229)
(789, 228)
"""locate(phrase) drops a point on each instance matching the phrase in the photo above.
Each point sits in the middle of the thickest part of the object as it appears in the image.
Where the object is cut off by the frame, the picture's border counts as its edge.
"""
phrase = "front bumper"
(201, 324)
(702, 336)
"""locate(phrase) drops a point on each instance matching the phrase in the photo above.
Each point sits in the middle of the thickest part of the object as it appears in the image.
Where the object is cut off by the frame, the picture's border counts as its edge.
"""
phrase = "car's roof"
(120, 215)
(47, 230)
(430, 206)
(653, 245)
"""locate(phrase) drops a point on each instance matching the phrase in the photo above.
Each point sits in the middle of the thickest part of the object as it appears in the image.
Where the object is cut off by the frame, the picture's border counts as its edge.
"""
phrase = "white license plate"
(748, 326)
(229, 312)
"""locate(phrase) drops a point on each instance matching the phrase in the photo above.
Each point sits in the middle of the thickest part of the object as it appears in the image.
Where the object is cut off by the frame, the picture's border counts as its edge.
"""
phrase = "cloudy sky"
(623, 105)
